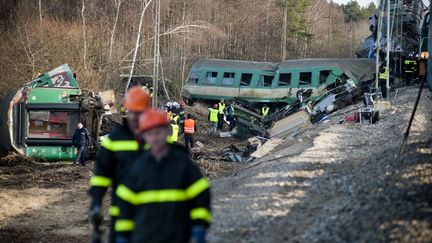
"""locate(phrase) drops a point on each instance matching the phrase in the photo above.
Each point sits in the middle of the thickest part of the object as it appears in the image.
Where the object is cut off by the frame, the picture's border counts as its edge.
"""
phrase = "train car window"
(228, 79)
(323, 75)
(52, 124)
(211, 78)
(265, 81)
(246, 79)
(305, 79)
(284, 79)
(193, 77)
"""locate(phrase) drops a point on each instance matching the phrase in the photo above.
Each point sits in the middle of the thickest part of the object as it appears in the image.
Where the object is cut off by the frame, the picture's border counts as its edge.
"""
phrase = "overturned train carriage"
(263, 82)
(39, 119)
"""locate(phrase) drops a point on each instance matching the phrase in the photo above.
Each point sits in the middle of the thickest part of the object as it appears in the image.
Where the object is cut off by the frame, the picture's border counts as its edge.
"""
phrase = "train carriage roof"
(235, 64)
(355, 68)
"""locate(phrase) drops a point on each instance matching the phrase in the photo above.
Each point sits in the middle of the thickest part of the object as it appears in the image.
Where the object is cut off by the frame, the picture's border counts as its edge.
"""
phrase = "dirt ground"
(335, 183)
(331, 183)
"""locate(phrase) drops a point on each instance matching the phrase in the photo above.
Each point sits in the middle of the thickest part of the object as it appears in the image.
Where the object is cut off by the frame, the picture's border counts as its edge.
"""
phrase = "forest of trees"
(97, 37)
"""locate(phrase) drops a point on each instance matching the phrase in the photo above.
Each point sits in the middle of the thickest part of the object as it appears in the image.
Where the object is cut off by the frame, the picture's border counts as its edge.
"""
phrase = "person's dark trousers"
(220, 121)
(232, 123)
(81, 155)
(383, 86)
(408, 78)
(189, 141)
(112, 235)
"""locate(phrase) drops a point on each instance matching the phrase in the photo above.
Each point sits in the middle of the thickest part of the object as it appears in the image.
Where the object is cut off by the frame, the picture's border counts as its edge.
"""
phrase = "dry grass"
(13, 159)
(216, 168)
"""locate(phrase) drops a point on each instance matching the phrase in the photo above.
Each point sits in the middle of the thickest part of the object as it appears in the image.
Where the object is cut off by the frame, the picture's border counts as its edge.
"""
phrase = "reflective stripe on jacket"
(410, 66)
(213, 115)
(265, 111)
(113, 159)
(175, 118)
(189, 126)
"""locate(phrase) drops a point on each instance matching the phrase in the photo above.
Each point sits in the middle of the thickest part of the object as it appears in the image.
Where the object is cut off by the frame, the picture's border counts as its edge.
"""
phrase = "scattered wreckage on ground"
(39, 119)
(309, 107)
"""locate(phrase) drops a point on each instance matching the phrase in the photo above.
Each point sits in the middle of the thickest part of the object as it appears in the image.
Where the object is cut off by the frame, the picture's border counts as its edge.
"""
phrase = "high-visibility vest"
(175, 118)
(175, 132)
(221, 108)
(214, 115)
(265, 111)
(383, 75)
(189, 126)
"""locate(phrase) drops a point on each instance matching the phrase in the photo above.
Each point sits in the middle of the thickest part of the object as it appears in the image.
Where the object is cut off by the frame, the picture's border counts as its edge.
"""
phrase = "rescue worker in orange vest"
(213, 118)
(164, 198)
(189, 129)
(115, 155)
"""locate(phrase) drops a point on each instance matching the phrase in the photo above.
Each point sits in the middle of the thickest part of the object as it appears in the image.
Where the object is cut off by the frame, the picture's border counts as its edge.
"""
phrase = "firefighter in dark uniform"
(165, 197)
(117, 152)
(81, 139)
(409, 69)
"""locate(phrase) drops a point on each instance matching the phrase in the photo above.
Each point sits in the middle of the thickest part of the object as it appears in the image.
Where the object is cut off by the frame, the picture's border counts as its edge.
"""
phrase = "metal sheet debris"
(290, 125)
(267, 147)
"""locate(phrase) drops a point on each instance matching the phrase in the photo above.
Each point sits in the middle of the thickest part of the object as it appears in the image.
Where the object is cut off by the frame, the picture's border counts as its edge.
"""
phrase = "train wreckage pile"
(262, 134)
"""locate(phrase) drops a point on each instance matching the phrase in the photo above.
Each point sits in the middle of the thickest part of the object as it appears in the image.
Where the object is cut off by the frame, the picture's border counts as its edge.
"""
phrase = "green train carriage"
(39, 119)
(263, 82)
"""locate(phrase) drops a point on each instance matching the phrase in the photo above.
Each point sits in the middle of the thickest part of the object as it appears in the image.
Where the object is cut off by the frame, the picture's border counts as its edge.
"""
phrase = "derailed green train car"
(39, 119)
(263, 82)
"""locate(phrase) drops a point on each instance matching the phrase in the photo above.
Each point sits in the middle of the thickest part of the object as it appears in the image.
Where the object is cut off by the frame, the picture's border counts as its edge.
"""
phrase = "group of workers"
(225, 111)
(411, 67)
(181, 123)
(158, 194)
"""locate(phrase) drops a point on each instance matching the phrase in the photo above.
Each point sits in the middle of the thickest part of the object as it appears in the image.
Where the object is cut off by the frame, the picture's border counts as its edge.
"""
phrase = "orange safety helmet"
(136, 100)
(153, 118)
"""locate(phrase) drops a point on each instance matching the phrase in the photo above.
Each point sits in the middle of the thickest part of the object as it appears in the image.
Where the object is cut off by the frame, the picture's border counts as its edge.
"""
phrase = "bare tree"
(118, 4)
(84, 34)
(40, 11)
(145, 4)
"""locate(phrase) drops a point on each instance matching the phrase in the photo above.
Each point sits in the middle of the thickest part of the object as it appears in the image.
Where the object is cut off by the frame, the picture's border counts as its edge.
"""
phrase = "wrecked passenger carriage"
(39, 119)
(278, 84)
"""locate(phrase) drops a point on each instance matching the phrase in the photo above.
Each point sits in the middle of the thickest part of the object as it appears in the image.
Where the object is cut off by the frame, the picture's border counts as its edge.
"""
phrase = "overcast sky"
(362, 3)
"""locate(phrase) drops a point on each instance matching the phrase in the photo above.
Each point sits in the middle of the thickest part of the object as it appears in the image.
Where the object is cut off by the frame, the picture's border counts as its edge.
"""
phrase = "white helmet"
(169, 104)
(176, 104)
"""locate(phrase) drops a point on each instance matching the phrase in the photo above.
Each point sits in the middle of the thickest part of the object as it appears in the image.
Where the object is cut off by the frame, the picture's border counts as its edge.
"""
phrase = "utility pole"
(351, 38)
(330, 17)
(284, 31)
(429, 63)
(388, 45)
(156, 53)
(379, 30)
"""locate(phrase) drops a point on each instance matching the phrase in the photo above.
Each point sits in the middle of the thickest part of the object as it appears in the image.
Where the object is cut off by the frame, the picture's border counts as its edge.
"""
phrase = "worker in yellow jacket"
(175, 132)
(213, 118)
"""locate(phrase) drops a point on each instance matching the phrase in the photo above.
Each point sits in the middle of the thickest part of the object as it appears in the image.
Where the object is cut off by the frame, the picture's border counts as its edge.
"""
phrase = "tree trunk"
(84, 34)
